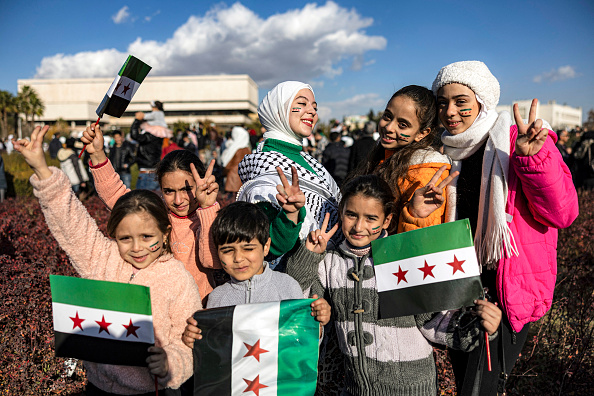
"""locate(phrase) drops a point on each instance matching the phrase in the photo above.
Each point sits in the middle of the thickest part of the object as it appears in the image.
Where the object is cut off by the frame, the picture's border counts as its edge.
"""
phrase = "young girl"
(383, 356)
(289, 114)
(190, 195)
(405, 156)
(140, 254)
(516, 191)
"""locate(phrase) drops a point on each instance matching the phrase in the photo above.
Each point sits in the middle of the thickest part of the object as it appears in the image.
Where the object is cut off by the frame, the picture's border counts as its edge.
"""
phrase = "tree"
(590, 123)
(7, 106)
(29, 104)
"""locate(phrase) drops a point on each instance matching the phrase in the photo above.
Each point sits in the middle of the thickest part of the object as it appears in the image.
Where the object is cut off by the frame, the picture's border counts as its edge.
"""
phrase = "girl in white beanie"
(516, 191)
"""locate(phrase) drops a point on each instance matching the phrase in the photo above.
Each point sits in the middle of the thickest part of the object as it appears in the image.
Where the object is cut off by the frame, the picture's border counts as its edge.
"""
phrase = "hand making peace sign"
(33, 153)
(531, 136)
(429, 198)
(207, 188)
(290, 197)
(318, 240)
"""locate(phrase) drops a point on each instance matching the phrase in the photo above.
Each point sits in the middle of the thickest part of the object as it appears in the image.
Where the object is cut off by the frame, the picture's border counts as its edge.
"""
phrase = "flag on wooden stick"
(426, 270)
(102, 322)
(123, 88)
(270, 348)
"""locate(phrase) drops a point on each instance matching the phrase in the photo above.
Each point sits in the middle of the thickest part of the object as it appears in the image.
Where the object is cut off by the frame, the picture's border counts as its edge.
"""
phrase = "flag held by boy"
(247, 349)
(100, 321)
(427, 270)
(123, 88)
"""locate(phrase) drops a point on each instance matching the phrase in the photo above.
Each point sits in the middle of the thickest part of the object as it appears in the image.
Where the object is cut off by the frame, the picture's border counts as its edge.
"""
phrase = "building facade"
(226, 100)
(559, 116)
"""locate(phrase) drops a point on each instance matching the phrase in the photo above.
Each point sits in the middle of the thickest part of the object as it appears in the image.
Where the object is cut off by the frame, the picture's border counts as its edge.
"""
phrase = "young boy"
(241, 234)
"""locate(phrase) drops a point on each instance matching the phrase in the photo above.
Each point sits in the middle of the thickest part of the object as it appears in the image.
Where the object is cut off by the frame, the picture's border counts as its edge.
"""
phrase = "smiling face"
(303, 113)
(363, 220)
(179, 192)
(140, 242)
(242, 260)
(457, 107)
(399, 125)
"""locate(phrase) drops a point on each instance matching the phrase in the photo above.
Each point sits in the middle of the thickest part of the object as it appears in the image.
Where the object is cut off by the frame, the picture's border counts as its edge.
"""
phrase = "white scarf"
(240, 138)
(493, 236)
(274, 111)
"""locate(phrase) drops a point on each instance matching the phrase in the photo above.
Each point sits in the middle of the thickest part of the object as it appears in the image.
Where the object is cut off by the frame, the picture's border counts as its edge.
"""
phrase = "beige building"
(226, 100)
(559, 116)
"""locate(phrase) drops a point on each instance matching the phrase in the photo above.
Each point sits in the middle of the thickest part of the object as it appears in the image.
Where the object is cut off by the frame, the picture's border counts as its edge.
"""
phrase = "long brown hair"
(395, 169)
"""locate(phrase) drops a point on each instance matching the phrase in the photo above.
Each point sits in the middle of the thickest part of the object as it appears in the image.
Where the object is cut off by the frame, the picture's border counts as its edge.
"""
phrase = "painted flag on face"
(257, 349)
(102, 322)
(426, 270)
(123, 88)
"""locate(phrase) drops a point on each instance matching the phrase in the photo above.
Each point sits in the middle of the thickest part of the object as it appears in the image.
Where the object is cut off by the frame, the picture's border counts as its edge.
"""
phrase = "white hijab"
(274, 111)
(240, 138)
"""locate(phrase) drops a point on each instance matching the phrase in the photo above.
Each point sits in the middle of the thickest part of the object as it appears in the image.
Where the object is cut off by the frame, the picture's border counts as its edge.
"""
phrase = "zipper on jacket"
(131, 277)
(514, 337)
(249, 291)
(359, 337)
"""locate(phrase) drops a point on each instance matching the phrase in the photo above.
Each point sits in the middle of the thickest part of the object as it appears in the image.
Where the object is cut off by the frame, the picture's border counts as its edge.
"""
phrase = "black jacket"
(360, 151)
(149, 147)
(123, 157)
(336, 160)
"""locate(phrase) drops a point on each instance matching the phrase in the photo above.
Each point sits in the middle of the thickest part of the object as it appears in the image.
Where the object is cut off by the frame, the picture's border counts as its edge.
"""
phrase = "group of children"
(507, 178)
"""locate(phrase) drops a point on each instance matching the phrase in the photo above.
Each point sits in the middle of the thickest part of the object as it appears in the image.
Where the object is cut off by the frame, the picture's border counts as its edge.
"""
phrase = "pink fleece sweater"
(190, 235)
(174, 295)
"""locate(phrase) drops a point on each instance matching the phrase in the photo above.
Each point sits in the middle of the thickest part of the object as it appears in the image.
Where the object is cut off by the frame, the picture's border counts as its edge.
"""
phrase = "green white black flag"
(123, 88)
(426, 270)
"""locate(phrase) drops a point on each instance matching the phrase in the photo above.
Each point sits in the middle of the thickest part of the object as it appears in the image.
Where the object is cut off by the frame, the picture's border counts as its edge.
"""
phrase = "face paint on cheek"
(295, 109)
(466, 112)
(376, 230)
(154, 247)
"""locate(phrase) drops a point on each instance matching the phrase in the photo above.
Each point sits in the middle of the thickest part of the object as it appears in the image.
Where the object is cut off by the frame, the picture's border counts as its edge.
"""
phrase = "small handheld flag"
(426, 270)
(247, 349)
(102, 322)
(123, 88)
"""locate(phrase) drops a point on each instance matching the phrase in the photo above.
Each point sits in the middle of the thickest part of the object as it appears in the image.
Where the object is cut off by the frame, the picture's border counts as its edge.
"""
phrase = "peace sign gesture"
(32, 151)
(207, 188)
(429, 198)
(318, 240)
(290, 197)
(531, 136)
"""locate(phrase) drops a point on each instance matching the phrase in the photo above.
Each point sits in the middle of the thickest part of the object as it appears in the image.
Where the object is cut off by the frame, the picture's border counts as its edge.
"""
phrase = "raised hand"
(207, 188)
(531, 136)
(429, 198)
(290, 197)
(318, 240)
(93, 139)
(33, 153)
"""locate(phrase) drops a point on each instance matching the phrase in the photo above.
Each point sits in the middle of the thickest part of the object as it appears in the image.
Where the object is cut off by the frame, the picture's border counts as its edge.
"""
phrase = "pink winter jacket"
(541, 198)
(174, 294)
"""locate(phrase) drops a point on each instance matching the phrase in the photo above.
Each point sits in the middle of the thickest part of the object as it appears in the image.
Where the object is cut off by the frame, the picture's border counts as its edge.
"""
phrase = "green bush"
(18, 173)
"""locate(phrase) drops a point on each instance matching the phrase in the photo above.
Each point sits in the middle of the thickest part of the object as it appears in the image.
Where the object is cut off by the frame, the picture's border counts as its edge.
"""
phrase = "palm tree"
(28, 103)
(7, 106)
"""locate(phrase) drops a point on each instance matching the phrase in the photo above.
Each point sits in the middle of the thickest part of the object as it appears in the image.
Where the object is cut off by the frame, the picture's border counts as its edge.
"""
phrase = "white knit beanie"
(475, 75)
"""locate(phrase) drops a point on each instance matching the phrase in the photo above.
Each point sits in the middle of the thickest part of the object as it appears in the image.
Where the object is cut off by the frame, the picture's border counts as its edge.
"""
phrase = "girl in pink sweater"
(140, 254)
(189, 193)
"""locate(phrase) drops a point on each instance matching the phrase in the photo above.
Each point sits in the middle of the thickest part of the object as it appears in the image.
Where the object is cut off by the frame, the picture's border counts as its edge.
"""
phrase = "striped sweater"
(382, 356)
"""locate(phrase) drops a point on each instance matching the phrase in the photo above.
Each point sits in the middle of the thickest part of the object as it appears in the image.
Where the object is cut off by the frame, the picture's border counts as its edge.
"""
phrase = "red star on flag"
(117, 86)
(103, 325)
(254, 350)
(254, 386)
(77, 322)
(401, 275)
(131, 329)
(126, 88)
(427, 270)
(457, 265)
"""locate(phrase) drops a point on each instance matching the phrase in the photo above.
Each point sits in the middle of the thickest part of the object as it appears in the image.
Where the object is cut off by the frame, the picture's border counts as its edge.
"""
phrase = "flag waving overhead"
(426, 270)
(102, 322)
(123, 88)
(257, 349)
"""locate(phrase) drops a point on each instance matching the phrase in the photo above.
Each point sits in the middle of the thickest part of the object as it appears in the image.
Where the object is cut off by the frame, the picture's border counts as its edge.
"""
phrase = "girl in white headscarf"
(289, 114)
(237, 148)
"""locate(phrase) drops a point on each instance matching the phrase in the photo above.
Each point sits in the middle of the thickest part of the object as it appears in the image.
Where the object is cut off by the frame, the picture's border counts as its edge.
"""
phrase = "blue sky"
(355, 54)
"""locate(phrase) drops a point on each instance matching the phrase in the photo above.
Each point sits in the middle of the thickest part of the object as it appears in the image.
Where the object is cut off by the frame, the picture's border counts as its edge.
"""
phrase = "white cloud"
(300, 44)
(355, 105)
(121, 16)
(150, 17)
(560, 74)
